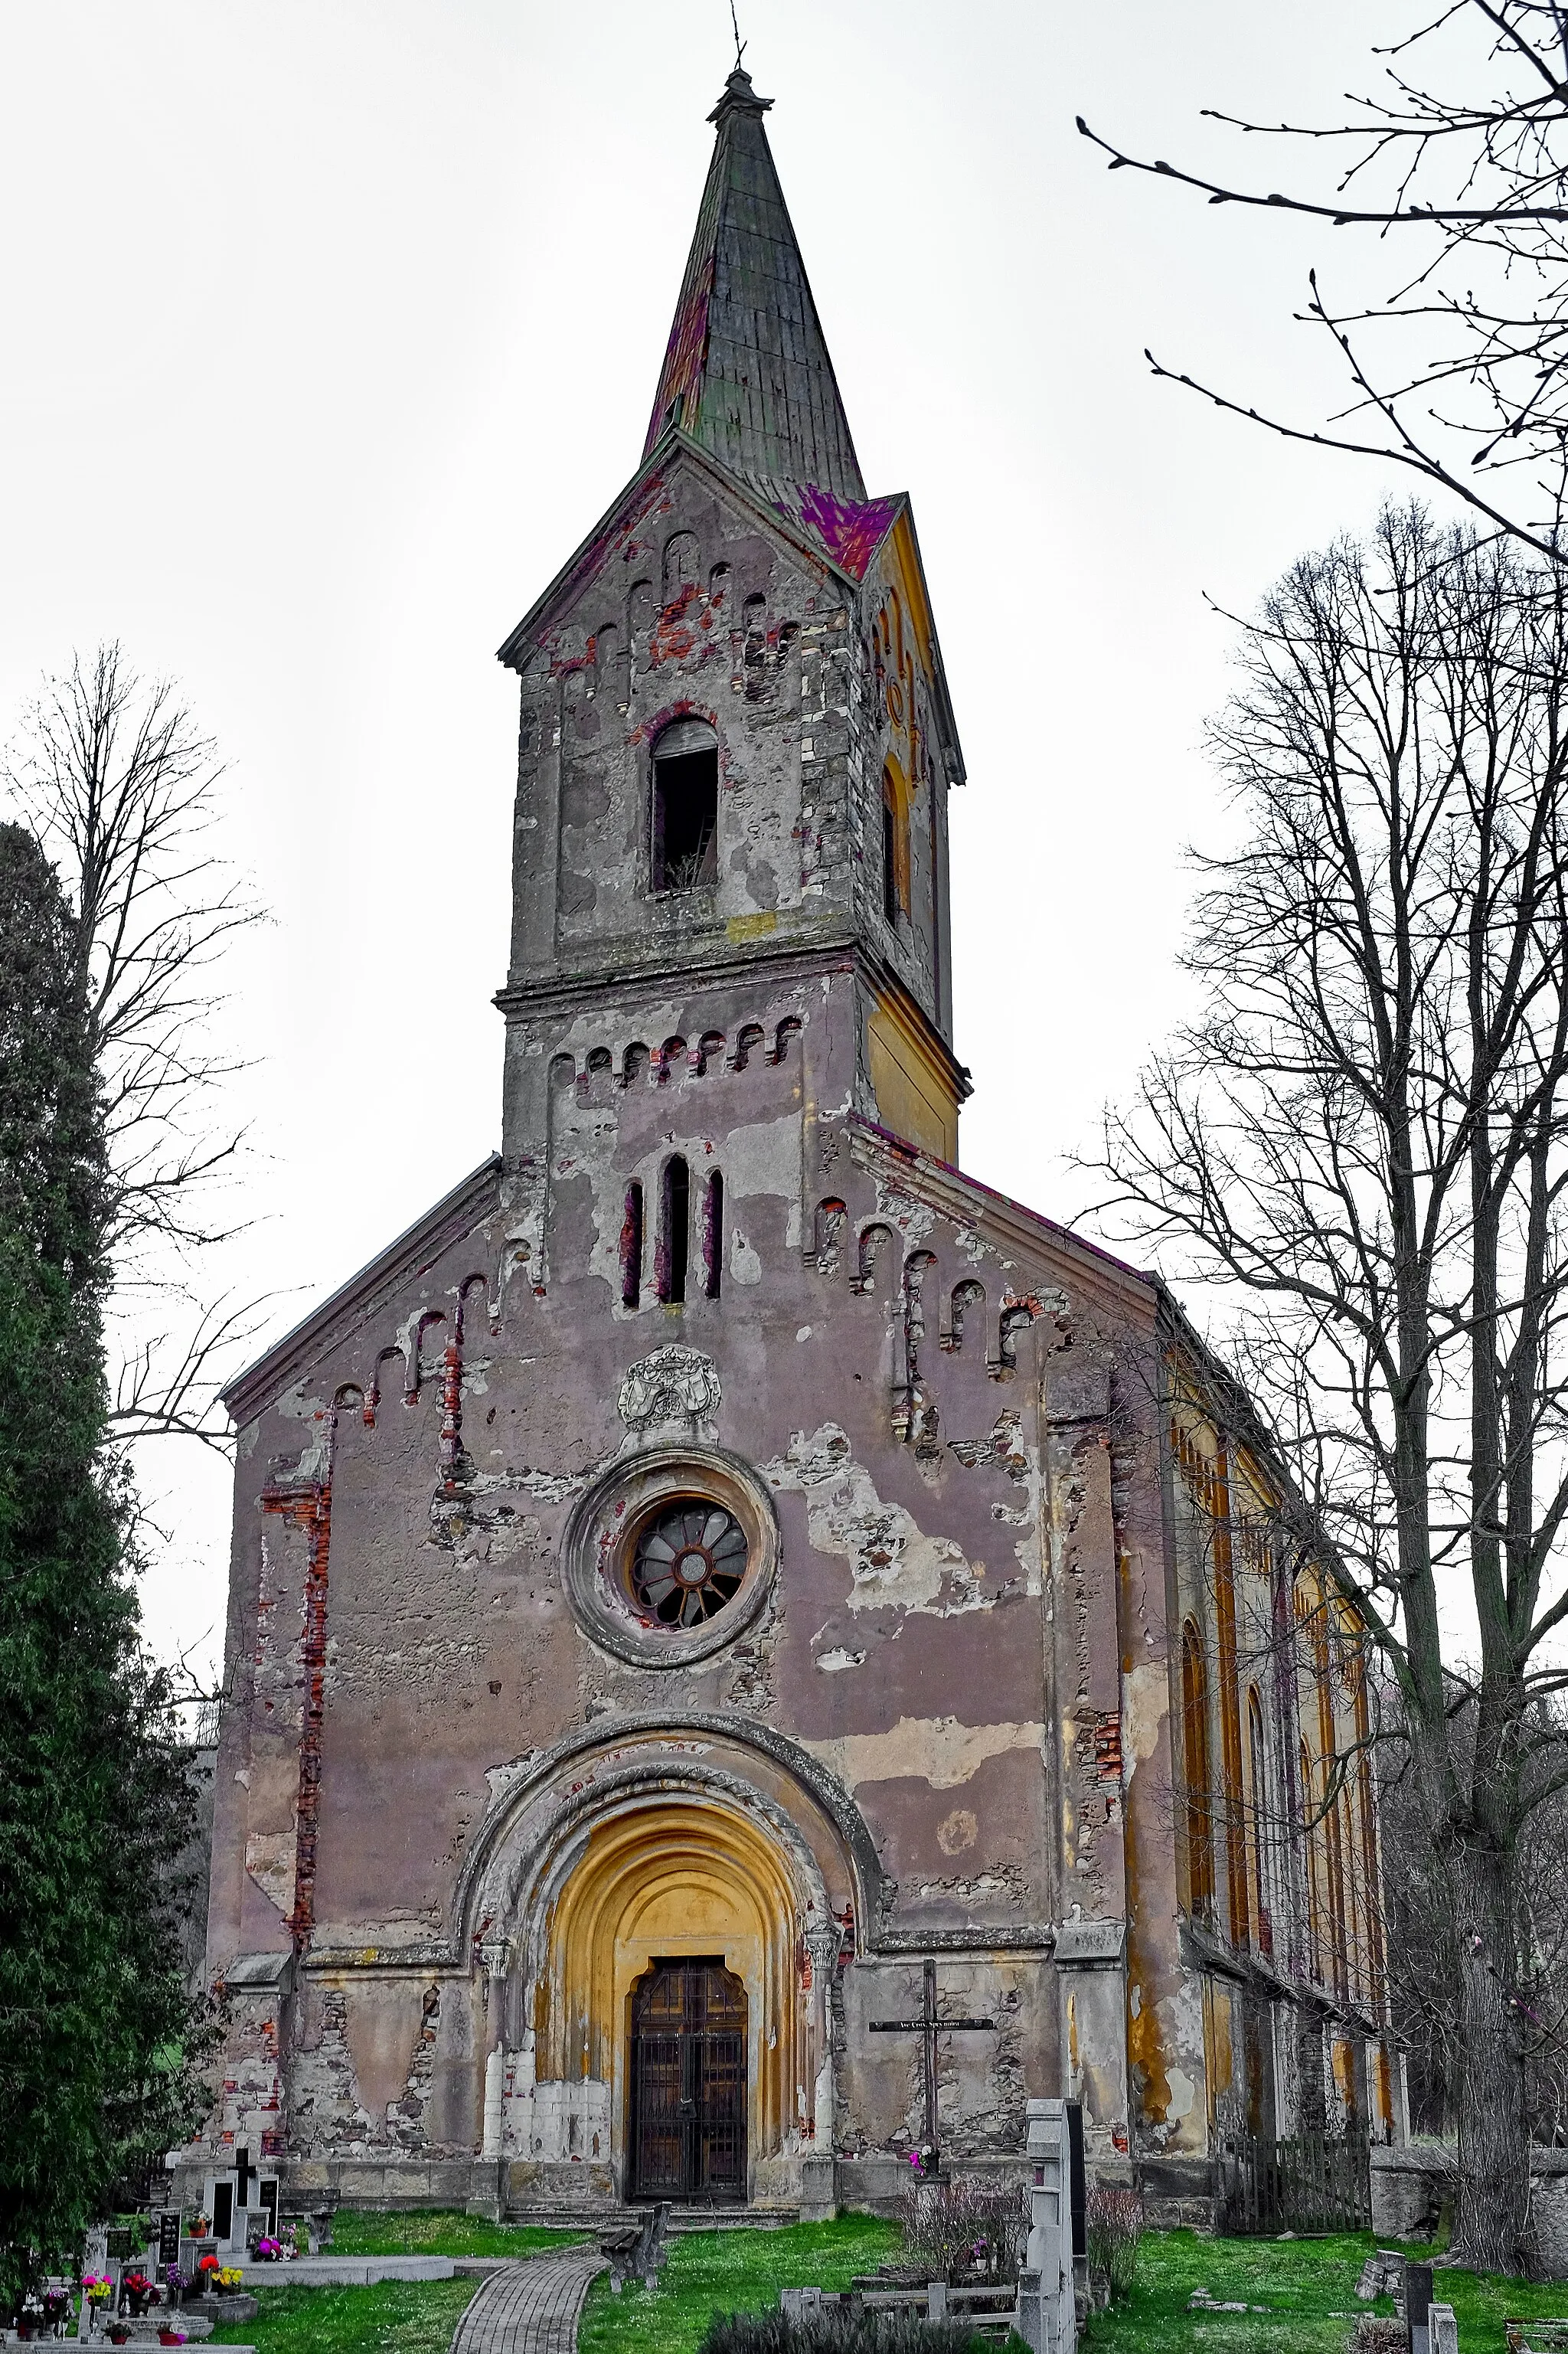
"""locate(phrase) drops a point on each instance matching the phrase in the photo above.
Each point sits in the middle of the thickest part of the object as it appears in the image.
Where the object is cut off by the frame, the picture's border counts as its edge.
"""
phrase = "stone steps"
(601, 2219)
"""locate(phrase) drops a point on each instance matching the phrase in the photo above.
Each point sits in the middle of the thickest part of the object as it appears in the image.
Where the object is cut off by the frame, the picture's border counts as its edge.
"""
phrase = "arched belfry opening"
(685, 807)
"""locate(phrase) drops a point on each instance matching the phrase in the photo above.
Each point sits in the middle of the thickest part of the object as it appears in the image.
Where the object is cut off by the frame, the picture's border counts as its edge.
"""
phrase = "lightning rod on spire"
(739, 44)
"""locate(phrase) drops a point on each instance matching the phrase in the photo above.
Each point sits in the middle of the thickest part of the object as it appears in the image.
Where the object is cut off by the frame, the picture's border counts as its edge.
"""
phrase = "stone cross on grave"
(929, 2026)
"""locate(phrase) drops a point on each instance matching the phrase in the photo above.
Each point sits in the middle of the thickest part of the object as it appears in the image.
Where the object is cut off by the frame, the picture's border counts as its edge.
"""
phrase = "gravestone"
(1418, 2307)
(95, 2259)
(1080, 2190)
(168, 2238)
(1047, 2304)
(803, 2304)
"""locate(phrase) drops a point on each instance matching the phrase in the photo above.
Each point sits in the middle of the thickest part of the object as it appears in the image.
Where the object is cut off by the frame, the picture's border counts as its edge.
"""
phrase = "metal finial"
(739, 44)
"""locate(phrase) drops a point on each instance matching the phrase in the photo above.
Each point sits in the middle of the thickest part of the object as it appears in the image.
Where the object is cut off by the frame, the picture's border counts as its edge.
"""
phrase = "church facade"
(726, 1582)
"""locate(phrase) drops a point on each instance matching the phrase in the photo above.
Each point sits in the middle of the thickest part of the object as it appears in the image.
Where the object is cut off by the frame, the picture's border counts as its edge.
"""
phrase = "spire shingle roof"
(746, 372)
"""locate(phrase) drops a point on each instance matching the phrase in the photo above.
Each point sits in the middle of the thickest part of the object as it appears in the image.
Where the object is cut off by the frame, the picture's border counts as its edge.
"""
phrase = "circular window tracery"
(670, 1554)
(688, 1562)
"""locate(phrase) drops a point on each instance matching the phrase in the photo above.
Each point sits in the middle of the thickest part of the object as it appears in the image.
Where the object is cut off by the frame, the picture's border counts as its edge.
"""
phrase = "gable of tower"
(634, 530)
(694, 605)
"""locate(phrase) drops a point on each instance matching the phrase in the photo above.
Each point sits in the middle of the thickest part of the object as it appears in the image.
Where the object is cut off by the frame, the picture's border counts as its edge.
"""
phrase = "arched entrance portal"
(689, 1903)
(661, 1844)
(688, 2081)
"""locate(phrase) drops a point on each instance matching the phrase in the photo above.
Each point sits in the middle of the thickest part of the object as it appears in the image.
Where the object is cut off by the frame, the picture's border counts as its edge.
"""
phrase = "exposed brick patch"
(309, 1509)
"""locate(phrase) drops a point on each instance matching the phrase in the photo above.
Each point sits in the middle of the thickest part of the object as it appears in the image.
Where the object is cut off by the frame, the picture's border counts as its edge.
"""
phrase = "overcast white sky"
(330, 325)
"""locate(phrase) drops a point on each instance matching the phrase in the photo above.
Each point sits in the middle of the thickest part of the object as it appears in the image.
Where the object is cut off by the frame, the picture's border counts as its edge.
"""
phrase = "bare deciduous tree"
(120, 785)
(1423, 1964)
(1361, 1139)
(1458, 164)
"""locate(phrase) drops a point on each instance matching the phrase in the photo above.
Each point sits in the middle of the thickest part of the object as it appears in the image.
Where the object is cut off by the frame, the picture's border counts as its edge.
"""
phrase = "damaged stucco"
(937, 1719)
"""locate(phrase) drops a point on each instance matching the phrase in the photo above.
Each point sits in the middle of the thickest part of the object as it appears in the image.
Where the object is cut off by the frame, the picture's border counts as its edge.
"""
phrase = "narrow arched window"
(674, 1231)
(1314, 1872)
(685, 807)
(1341, 1908)
(1195, 1768)
(632, 1249)
(1375, 1972)
(713, 1235)
(968, 1314)
(831, 1221)
(1257, 1796)
(891, 897)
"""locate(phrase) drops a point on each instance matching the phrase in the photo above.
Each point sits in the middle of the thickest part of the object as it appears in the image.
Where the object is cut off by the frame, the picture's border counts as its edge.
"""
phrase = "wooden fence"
(1316, 2182)
(989, 2311)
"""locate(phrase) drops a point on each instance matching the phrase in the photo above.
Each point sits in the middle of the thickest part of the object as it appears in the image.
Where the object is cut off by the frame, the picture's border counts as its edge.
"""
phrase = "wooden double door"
(688, 2083)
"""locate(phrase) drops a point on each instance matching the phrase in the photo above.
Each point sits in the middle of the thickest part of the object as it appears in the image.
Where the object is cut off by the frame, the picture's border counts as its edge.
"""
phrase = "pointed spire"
(746, 372)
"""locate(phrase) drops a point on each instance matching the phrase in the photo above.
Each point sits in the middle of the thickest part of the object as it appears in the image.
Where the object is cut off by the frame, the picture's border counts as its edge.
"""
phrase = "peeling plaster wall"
(960, 1675)
(695, 607)
(907, 1645)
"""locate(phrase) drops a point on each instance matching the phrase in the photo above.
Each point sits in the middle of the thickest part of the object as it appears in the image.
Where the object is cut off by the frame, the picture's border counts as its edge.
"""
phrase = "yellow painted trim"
(913, 1093)
(902, 563)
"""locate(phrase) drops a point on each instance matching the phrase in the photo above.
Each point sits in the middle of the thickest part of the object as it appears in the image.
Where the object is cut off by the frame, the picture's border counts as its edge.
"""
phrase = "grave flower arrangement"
(96, 2287)
(207, 2271)
(268, 2251)
(228, 2279)
(138, 2291)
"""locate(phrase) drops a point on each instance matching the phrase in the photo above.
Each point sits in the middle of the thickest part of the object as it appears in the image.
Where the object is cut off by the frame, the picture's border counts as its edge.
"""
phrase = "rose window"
(688, 1563)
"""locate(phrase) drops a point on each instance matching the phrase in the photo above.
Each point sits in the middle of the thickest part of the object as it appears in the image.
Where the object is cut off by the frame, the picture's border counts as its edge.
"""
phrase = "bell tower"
(736, 743)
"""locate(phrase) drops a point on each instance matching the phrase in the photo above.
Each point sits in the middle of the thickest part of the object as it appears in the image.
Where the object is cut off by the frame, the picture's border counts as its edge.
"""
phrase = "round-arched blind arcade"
(685, 807)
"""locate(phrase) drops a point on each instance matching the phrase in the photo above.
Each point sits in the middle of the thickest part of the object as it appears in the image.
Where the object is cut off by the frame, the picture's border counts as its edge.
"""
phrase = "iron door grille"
(721, 2110)
(688, 2084)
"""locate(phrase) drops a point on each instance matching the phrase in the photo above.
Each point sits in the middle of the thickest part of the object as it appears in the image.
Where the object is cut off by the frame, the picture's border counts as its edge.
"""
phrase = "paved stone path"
(530, 2307)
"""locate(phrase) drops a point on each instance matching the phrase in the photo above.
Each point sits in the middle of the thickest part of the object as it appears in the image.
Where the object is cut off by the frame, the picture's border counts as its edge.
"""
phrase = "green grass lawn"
(1307, 2292)
(433, 2232)
(389, 2317)
(1306, 2288)
(729, 2272)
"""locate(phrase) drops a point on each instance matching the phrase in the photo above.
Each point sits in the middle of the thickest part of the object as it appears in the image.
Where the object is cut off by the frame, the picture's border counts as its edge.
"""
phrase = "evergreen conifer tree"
(97, 2035)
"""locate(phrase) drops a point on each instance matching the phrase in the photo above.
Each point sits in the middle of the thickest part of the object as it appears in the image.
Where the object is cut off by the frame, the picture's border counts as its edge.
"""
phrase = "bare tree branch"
(1363, 1141)
(121, 788)
(1472, 169)
(169, 1382)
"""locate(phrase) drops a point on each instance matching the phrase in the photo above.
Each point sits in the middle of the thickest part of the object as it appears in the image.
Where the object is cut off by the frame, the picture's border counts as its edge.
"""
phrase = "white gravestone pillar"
(94, 2259)
(1047, 2311)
